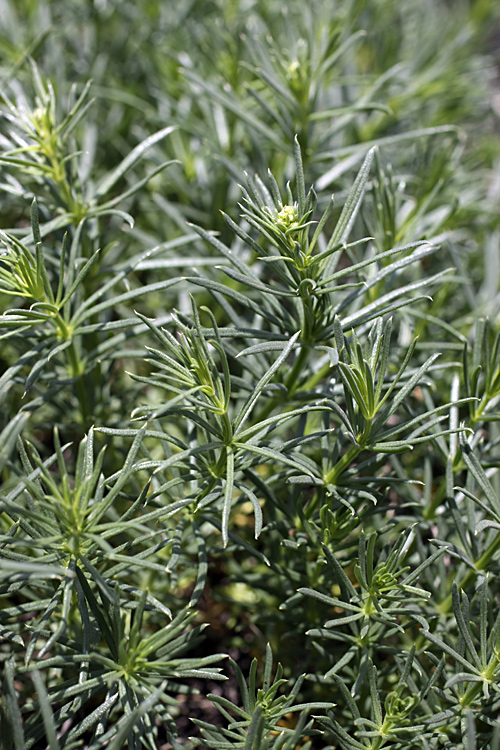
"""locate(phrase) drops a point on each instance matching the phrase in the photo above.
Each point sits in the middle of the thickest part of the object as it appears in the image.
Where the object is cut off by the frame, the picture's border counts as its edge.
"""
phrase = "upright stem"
(74, 361)
(351, 453)
(292, 381)
(76, 367)
(291, 384)
(480, 566)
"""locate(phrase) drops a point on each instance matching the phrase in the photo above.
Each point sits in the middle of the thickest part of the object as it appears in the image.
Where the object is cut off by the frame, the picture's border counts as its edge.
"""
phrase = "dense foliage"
(249, 431)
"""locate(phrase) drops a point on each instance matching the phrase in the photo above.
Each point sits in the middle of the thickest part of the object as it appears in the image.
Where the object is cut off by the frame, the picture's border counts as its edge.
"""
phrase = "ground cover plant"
(250, 375)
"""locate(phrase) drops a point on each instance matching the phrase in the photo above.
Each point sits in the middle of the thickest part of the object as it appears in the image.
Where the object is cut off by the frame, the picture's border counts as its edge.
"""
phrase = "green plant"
(261, 422)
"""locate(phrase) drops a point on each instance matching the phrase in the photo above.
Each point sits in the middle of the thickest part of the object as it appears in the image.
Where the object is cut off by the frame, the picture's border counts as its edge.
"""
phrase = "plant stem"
(349, 456)
(351, 453)
(291, 384)
(480, 566)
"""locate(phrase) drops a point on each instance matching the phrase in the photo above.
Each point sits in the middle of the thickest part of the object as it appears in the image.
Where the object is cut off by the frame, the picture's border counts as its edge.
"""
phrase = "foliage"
(249, 426)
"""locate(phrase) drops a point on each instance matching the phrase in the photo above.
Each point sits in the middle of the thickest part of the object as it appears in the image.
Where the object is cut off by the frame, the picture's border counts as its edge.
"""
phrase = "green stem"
(75, 365)
(439, 495)
(482, 407)
(77, 370)
(227, 428)
(61, 180)
(74, 361)
(351, 453)
(65, 332)
(291, 384)
(471, 694)
(476, 689)
(430, 512)
(317, 377)
(479, 567)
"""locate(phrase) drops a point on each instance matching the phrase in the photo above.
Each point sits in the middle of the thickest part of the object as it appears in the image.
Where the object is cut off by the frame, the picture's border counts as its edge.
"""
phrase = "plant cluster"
(250, 375)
